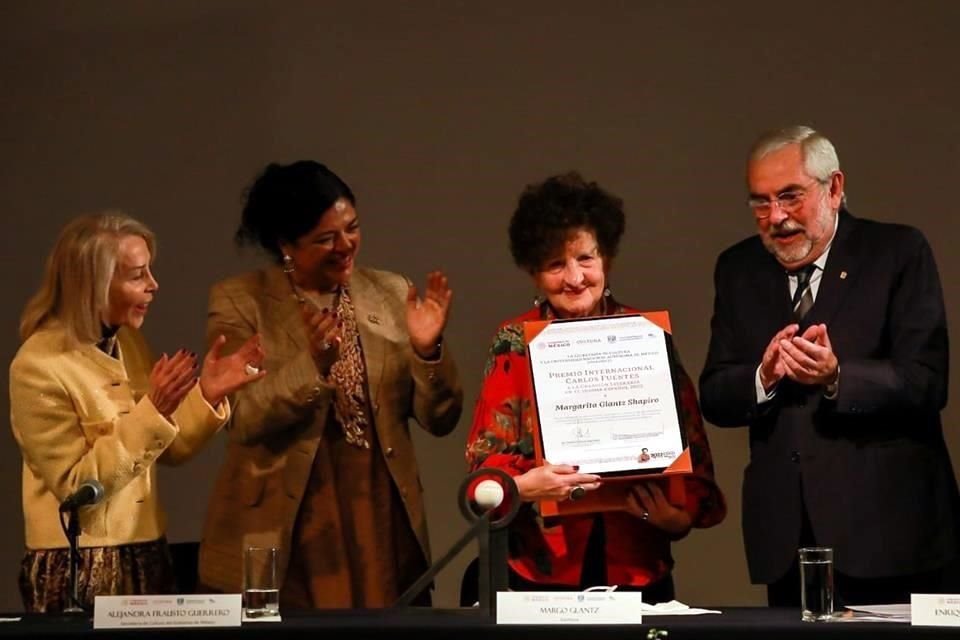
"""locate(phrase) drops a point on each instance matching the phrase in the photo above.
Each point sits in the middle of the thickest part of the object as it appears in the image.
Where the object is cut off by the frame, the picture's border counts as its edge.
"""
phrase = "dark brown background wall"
(438, 113)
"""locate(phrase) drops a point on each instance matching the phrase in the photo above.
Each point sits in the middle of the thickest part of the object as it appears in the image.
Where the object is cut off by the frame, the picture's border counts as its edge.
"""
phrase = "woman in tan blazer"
(88, 405)
(320, 461)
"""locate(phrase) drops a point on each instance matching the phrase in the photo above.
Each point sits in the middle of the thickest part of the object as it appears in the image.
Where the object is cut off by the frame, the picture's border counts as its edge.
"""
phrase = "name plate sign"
(935, 609)
(569, 607)
(195, 610)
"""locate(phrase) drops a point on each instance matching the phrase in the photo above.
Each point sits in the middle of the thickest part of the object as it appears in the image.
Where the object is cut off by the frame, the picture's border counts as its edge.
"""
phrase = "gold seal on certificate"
(605, 395)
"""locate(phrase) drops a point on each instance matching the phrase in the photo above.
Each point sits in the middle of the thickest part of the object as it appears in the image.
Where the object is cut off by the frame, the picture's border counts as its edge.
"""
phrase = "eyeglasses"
(789, 201)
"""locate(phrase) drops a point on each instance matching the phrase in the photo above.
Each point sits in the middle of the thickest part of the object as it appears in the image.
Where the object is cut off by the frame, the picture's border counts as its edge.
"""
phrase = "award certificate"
(605, 394)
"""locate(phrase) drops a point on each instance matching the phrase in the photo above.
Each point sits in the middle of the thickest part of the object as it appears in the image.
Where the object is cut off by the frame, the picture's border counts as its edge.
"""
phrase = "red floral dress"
(636, 552)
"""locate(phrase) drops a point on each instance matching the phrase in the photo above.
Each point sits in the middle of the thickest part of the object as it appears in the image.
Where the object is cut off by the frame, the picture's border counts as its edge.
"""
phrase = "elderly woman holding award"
(565, 234)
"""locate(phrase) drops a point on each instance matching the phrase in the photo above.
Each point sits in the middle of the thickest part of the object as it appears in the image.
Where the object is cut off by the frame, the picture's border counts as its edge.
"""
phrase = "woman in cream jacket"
(89, 405)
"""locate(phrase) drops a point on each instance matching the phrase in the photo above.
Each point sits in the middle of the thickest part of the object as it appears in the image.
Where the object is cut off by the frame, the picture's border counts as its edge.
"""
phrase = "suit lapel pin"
(843, 275)
(373, 318)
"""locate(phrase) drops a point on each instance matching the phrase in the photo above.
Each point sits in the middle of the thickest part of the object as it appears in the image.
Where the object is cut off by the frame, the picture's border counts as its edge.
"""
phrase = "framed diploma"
(606, 395)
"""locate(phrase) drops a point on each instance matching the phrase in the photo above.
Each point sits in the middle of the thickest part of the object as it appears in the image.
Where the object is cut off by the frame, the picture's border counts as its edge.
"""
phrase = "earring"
(537, 300)
(287, 264)
(606, 292)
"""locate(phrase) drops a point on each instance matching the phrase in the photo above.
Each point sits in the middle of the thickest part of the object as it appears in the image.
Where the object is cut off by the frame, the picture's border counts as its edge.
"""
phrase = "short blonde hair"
(76, 284)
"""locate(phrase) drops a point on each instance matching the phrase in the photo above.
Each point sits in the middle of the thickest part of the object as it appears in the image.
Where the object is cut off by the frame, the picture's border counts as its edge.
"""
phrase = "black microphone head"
(89, 492)
(97, 491)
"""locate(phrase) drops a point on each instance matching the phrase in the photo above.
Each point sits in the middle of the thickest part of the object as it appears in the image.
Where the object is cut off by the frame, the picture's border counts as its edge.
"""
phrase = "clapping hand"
(427, 317)
(171, 379)
(324, 334)
(809, 359)
(222, 375)
(772, 369)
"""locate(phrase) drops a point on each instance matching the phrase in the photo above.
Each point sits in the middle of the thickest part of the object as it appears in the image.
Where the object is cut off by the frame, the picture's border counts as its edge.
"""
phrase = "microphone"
(488, 494)
(89, 492)
(489, 500)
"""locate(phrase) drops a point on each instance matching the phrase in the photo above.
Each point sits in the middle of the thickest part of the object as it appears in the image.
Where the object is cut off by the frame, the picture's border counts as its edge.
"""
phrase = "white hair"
(820, 159)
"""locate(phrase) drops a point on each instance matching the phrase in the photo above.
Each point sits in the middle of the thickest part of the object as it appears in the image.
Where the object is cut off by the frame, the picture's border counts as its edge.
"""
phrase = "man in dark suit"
(829, 340)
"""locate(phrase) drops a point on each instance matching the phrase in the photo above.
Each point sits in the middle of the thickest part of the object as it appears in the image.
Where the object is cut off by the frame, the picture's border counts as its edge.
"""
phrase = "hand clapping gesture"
(323, 332)
(221, 376)
(809, 359)
(427, 317)
(171, 379)
(772, 369)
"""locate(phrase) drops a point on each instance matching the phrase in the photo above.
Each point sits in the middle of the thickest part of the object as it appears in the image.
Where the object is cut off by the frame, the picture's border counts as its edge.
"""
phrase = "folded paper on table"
(673, 608)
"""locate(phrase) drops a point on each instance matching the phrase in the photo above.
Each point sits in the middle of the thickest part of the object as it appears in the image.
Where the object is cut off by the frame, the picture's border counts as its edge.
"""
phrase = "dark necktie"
(803, 296)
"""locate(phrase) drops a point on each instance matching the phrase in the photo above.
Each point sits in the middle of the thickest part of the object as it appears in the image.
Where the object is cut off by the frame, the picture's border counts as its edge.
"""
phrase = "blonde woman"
(88, 404)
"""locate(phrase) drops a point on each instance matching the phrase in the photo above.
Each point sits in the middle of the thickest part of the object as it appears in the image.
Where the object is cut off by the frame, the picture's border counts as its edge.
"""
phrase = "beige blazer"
(278, 421)
(77, 415)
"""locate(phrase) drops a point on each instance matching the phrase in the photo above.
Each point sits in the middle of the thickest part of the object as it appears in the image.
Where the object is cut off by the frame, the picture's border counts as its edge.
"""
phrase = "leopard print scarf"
(349, 374)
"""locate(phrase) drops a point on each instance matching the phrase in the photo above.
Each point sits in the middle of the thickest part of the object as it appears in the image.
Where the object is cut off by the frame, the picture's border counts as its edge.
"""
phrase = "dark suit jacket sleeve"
(913, 376)
(728, 395)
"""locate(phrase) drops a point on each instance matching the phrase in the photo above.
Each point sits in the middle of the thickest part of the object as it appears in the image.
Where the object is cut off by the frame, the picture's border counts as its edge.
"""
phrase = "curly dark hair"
(548, 212)
(286, 201)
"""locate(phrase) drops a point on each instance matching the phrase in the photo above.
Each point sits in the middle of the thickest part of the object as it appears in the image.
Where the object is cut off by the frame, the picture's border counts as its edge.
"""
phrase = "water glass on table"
(816, 584)
(261, 592)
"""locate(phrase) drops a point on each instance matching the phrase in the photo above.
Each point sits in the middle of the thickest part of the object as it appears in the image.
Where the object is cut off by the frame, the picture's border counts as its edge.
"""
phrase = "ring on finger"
(251, 369)
(645, 515)
(577, 492)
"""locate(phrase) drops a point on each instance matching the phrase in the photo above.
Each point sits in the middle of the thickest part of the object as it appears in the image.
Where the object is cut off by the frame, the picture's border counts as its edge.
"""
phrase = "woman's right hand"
(171, 380)
(323, 332)
(553, 482)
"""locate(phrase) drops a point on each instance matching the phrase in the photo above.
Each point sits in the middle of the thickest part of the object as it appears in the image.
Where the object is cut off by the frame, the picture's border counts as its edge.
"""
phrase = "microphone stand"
(73, 532)
(492, 555)
(479, 529)
(490, 530)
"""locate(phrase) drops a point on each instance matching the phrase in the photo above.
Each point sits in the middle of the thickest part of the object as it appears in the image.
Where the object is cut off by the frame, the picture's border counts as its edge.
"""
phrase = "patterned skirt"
(130, 569)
